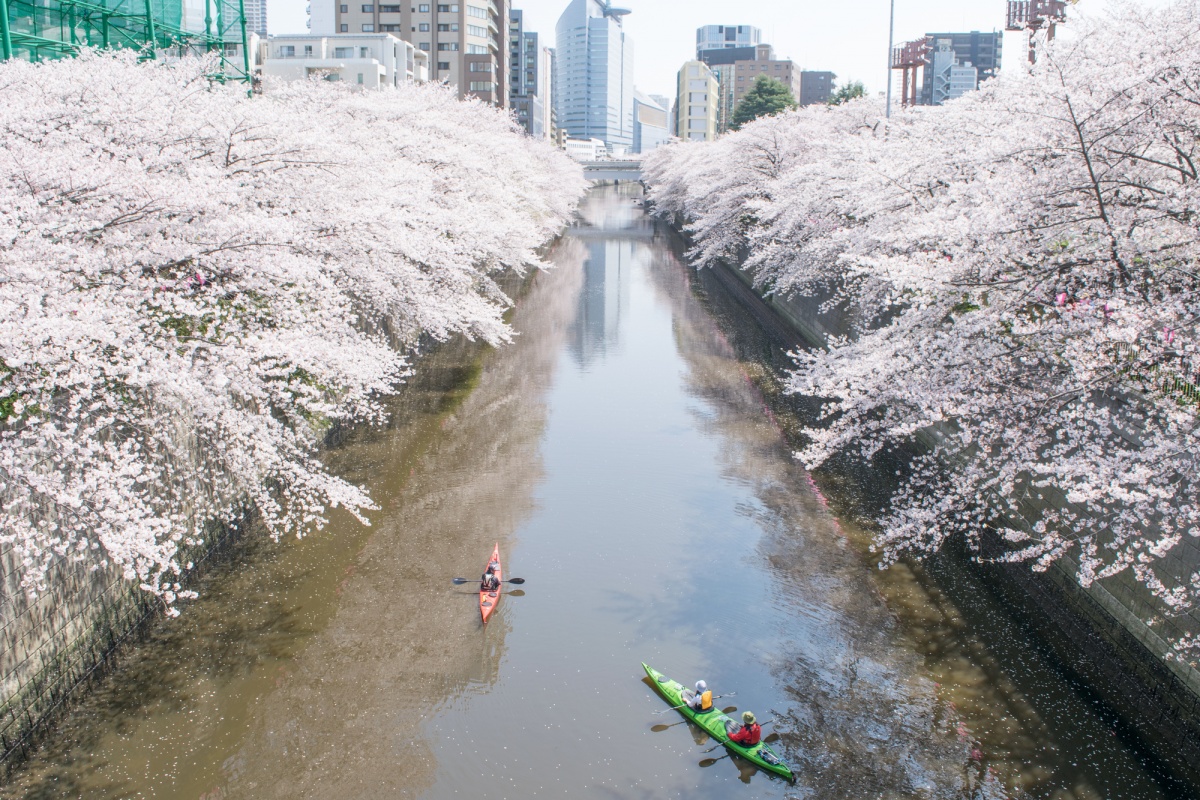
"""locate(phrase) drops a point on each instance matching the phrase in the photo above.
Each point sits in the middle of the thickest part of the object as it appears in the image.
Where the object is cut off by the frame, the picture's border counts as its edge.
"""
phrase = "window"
(368, 28)
(423, 8)
(308, 49)
(475, 30)
(344, 9)
(343, 28)
(360, 78)
(369, 9)
(424, 27)
(477, 49)
(697, 97)
(364, 52)
(448, 9)
(447, 45)
(389, 9)
(448, 26)
(477, 13)
(287, 51)
(480, 66)
(343, 52)
(425, 46)
(696, 111)
(697, 124)
(443, 65)
(390, 28)
(482, 86)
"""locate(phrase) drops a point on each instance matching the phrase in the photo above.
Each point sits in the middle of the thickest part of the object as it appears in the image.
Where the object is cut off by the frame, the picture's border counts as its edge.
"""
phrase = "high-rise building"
(718, 37)
(256, 17)
(697, 102)
(529, 78)
(975, 49)
(815, 87)
(467, 41)
(593, 94)
(650, 125)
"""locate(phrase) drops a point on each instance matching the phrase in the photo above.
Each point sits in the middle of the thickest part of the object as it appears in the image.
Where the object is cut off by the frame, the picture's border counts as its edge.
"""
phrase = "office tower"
(975, 49)
(650, 125)
(697, 102)
(593, 95)
(719, 37)
(467, 41)
(529, 78)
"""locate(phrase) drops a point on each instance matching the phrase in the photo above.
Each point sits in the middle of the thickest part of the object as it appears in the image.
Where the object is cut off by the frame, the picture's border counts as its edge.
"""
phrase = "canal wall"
(1114, 637)
(54, 645)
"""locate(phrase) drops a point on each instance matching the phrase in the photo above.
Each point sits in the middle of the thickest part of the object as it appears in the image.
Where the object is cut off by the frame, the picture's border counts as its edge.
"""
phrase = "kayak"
(488, 600)
(713, 721)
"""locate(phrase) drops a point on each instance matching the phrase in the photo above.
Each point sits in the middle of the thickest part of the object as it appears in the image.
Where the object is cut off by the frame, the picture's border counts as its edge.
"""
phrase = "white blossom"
(195, 285)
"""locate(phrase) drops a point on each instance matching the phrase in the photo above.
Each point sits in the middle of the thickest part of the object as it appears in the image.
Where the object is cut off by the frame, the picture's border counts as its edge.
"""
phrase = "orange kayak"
(488, 600)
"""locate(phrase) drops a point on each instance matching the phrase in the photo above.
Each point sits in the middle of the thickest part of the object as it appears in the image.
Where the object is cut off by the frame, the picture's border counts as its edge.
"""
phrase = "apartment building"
(466, 42)
(981, 50)
(697, 102)
(372, 61)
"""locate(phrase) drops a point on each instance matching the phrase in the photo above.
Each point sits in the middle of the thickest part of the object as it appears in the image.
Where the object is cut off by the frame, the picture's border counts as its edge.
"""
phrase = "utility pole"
(891, 37)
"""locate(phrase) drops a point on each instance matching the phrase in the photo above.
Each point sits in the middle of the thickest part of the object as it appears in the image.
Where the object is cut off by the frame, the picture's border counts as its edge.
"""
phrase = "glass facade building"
(593, 92)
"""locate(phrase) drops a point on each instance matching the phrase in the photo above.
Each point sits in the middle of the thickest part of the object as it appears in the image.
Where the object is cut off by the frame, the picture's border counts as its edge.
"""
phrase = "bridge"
(612, 170)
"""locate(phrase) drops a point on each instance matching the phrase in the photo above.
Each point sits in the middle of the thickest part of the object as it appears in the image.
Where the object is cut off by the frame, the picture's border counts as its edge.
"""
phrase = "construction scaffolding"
(35, 30)
(908, 58)
(1034, 16)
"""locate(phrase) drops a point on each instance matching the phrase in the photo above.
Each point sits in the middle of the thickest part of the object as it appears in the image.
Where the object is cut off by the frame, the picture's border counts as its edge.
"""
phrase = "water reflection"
(624, 458)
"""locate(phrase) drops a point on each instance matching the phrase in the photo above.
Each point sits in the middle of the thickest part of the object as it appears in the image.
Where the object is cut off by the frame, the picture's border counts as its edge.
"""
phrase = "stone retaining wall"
(1113, 636)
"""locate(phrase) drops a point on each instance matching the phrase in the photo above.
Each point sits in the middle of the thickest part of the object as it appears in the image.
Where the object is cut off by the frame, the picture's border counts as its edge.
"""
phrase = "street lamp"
(891, 34)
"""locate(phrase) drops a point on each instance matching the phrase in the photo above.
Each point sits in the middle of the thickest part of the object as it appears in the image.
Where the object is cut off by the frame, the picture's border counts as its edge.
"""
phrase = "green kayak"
(713, 721)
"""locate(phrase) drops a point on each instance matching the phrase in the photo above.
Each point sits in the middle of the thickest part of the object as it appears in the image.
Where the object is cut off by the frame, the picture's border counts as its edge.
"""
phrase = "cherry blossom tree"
(1021, 266)
(195, 285)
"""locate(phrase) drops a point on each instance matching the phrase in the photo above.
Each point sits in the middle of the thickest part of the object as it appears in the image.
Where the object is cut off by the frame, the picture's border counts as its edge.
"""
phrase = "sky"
(848, 37)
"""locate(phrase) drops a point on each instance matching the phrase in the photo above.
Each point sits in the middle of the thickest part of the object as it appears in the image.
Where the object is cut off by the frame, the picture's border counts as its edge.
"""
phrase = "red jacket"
(748, 736)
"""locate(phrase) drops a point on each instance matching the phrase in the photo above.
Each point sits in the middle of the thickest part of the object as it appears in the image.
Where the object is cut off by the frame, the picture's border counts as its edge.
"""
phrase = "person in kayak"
(489, 582)
(748, 734)
(699, 700)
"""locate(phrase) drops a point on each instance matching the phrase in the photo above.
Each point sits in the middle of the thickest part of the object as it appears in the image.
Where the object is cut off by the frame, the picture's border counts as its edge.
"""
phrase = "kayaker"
(748, 734)
(489, 582)
(699, 700)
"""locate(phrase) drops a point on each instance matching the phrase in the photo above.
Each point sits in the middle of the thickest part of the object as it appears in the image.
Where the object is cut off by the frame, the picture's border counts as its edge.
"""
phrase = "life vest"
(748, 736)
(706, 701)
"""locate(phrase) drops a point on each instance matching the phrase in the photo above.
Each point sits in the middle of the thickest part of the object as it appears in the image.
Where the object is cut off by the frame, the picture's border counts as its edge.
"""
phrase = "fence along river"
(631, 472)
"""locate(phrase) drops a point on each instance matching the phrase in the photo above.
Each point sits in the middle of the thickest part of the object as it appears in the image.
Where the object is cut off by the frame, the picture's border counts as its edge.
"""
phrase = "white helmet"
(701, 687)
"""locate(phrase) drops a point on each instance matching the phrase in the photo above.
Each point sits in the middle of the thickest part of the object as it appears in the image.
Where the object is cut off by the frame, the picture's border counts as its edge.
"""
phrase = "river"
(625, 460)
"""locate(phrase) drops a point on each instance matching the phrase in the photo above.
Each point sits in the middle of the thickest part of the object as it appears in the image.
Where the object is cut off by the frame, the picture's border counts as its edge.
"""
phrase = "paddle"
(708, 762)
(661, 728)
(681, 705)
(471, 580)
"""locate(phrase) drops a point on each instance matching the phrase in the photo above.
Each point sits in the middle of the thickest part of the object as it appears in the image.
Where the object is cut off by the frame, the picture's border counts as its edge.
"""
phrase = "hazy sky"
(848, 37)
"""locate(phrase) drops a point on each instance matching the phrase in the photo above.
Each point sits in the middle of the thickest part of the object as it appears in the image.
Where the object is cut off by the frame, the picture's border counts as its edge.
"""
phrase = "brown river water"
(627, 464)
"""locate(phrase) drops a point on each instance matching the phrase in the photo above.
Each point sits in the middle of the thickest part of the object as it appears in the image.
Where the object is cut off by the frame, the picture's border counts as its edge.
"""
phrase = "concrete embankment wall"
(54, 645)
(1114, 636)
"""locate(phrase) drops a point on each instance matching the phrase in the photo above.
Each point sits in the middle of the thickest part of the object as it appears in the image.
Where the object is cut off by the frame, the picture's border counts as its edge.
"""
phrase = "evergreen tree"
(768, 97)
(847, 92)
